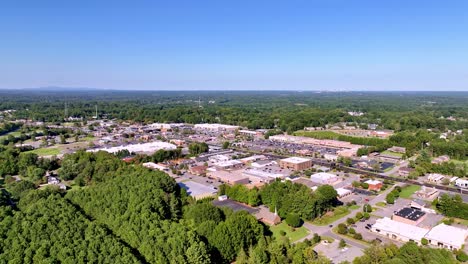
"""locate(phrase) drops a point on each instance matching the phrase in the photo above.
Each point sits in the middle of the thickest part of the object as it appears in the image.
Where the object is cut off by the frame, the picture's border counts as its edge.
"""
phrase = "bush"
(282, 233)
(293, 220)
(390, 199)
(342, 229)
(359, 216)
(342, 243)
(424, 241)
(357, 236)
(352, 231)
(366, 216)
(367, 208)
(350, 221)
(316, 238)
(461, 256)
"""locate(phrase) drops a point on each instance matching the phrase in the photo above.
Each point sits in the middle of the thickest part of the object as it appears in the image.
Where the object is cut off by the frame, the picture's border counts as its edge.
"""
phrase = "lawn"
(407, 191)
(339, 212)
(318, 134)
(354, 207)
(14, 133)
(46, 151)
(291, 233)
(381, 204)
(391, 153)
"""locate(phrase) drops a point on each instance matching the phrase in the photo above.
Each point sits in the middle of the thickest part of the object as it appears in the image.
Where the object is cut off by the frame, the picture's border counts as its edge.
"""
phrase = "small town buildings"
(405, 171)
(409, 215)
(342, 192)
(198, 190)
(154, 166)
(396, 149)
(264, 215)
(295, 163)
(398, 230)
(253, 158)
(440, 159)
(256, 176)
(323, 178)
(228, 165)
(229, 177)
(435, 178)
(374, 185)
(445, 236)
(427, 193)
(461, 183)
(198, 170)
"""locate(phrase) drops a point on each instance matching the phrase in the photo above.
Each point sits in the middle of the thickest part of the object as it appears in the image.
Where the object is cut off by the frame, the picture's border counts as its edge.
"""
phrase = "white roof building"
(373, 182)
(323, 178)
(342, 192)
(154, 166)
(461, 183)
(398, 230)
(261, 176)
(446, 236)
(139, 148)
(295, 160)
(435, 177)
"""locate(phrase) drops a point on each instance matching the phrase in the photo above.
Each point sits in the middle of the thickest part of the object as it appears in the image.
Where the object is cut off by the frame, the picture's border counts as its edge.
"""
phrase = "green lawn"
(407, 191)
(14, 133)
(381, 204)
(354, 207)
(46, 151)
(394, 154)
(318, 134)
(339, 212)
(291, 233)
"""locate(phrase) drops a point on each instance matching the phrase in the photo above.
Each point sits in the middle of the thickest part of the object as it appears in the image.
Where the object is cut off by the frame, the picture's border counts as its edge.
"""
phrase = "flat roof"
(295, 160)
(448, 235)
(196, 189)
(373, 182)
(410, 213)
(402, 229)
(323, 176)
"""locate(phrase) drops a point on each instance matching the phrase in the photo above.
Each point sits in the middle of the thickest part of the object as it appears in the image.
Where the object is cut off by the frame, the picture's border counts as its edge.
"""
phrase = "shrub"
(352, 231)
(342, 243)
(350, 221)
(367, 208)
(342, 229)
(357, 236)
(316, 238)
(282, 233)
(424, 241)
(390, 199)
(293, 220)
(366, 216)
(359, 215)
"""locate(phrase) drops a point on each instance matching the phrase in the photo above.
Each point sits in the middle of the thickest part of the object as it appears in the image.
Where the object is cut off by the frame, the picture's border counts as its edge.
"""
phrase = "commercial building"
(154, 166)
(408, 215)
(198, 190)
(229, 177)
(461, 183)
(374, 185)
(342, 192)
(256, 176)
(445, 236)
(295, 163)
(215, 128)
(399, 231)
(405, 171)
(323, 178)
(229, 165)
(147, 148)
(198, 170)
(435, 178)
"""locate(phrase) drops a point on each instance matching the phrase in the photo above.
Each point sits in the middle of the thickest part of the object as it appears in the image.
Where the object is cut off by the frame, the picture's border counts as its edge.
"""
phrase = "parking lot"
(337, 255)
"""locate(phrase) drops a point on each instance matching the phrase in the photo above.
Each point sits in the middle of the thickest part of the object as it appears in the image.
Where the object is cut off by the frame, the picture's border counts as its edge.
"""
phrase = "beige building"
(295, 163)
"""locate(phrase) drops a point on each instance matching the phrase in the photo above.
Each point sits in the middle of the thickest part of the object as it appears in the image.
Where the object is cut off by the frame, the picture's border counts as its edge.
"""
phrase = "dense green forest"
(287, 110)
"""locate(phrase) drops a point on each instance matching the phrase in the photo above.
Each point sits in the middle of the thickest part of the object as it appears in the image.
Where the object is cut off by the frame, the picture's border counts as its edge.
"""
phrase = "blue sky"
(298, 45)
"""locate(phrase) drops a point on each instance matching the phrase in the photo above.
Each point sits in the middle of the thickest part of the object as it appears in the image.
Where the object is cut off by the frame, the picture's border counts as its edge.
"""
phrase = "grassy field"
(318, 134)
(381, 204)
(291, 233)
(339, 212)
(14, 133)
(407, 191)
(46, 151)
(354, 207)
(394, 154)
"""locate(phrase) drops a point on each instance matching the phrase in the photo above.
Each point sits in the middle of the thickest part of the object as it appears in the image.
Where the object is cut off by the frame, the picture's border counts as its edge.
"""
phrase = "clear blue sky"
(324, 44)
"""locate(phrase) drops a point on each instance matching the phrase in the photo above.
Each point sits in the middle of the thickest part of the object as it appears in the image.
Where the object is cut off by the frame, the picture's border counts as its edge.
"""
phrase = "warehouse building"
(257, 176)
(445, 236)
(399, 231)
(295, 163)
(323, 178)
(198, 190)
